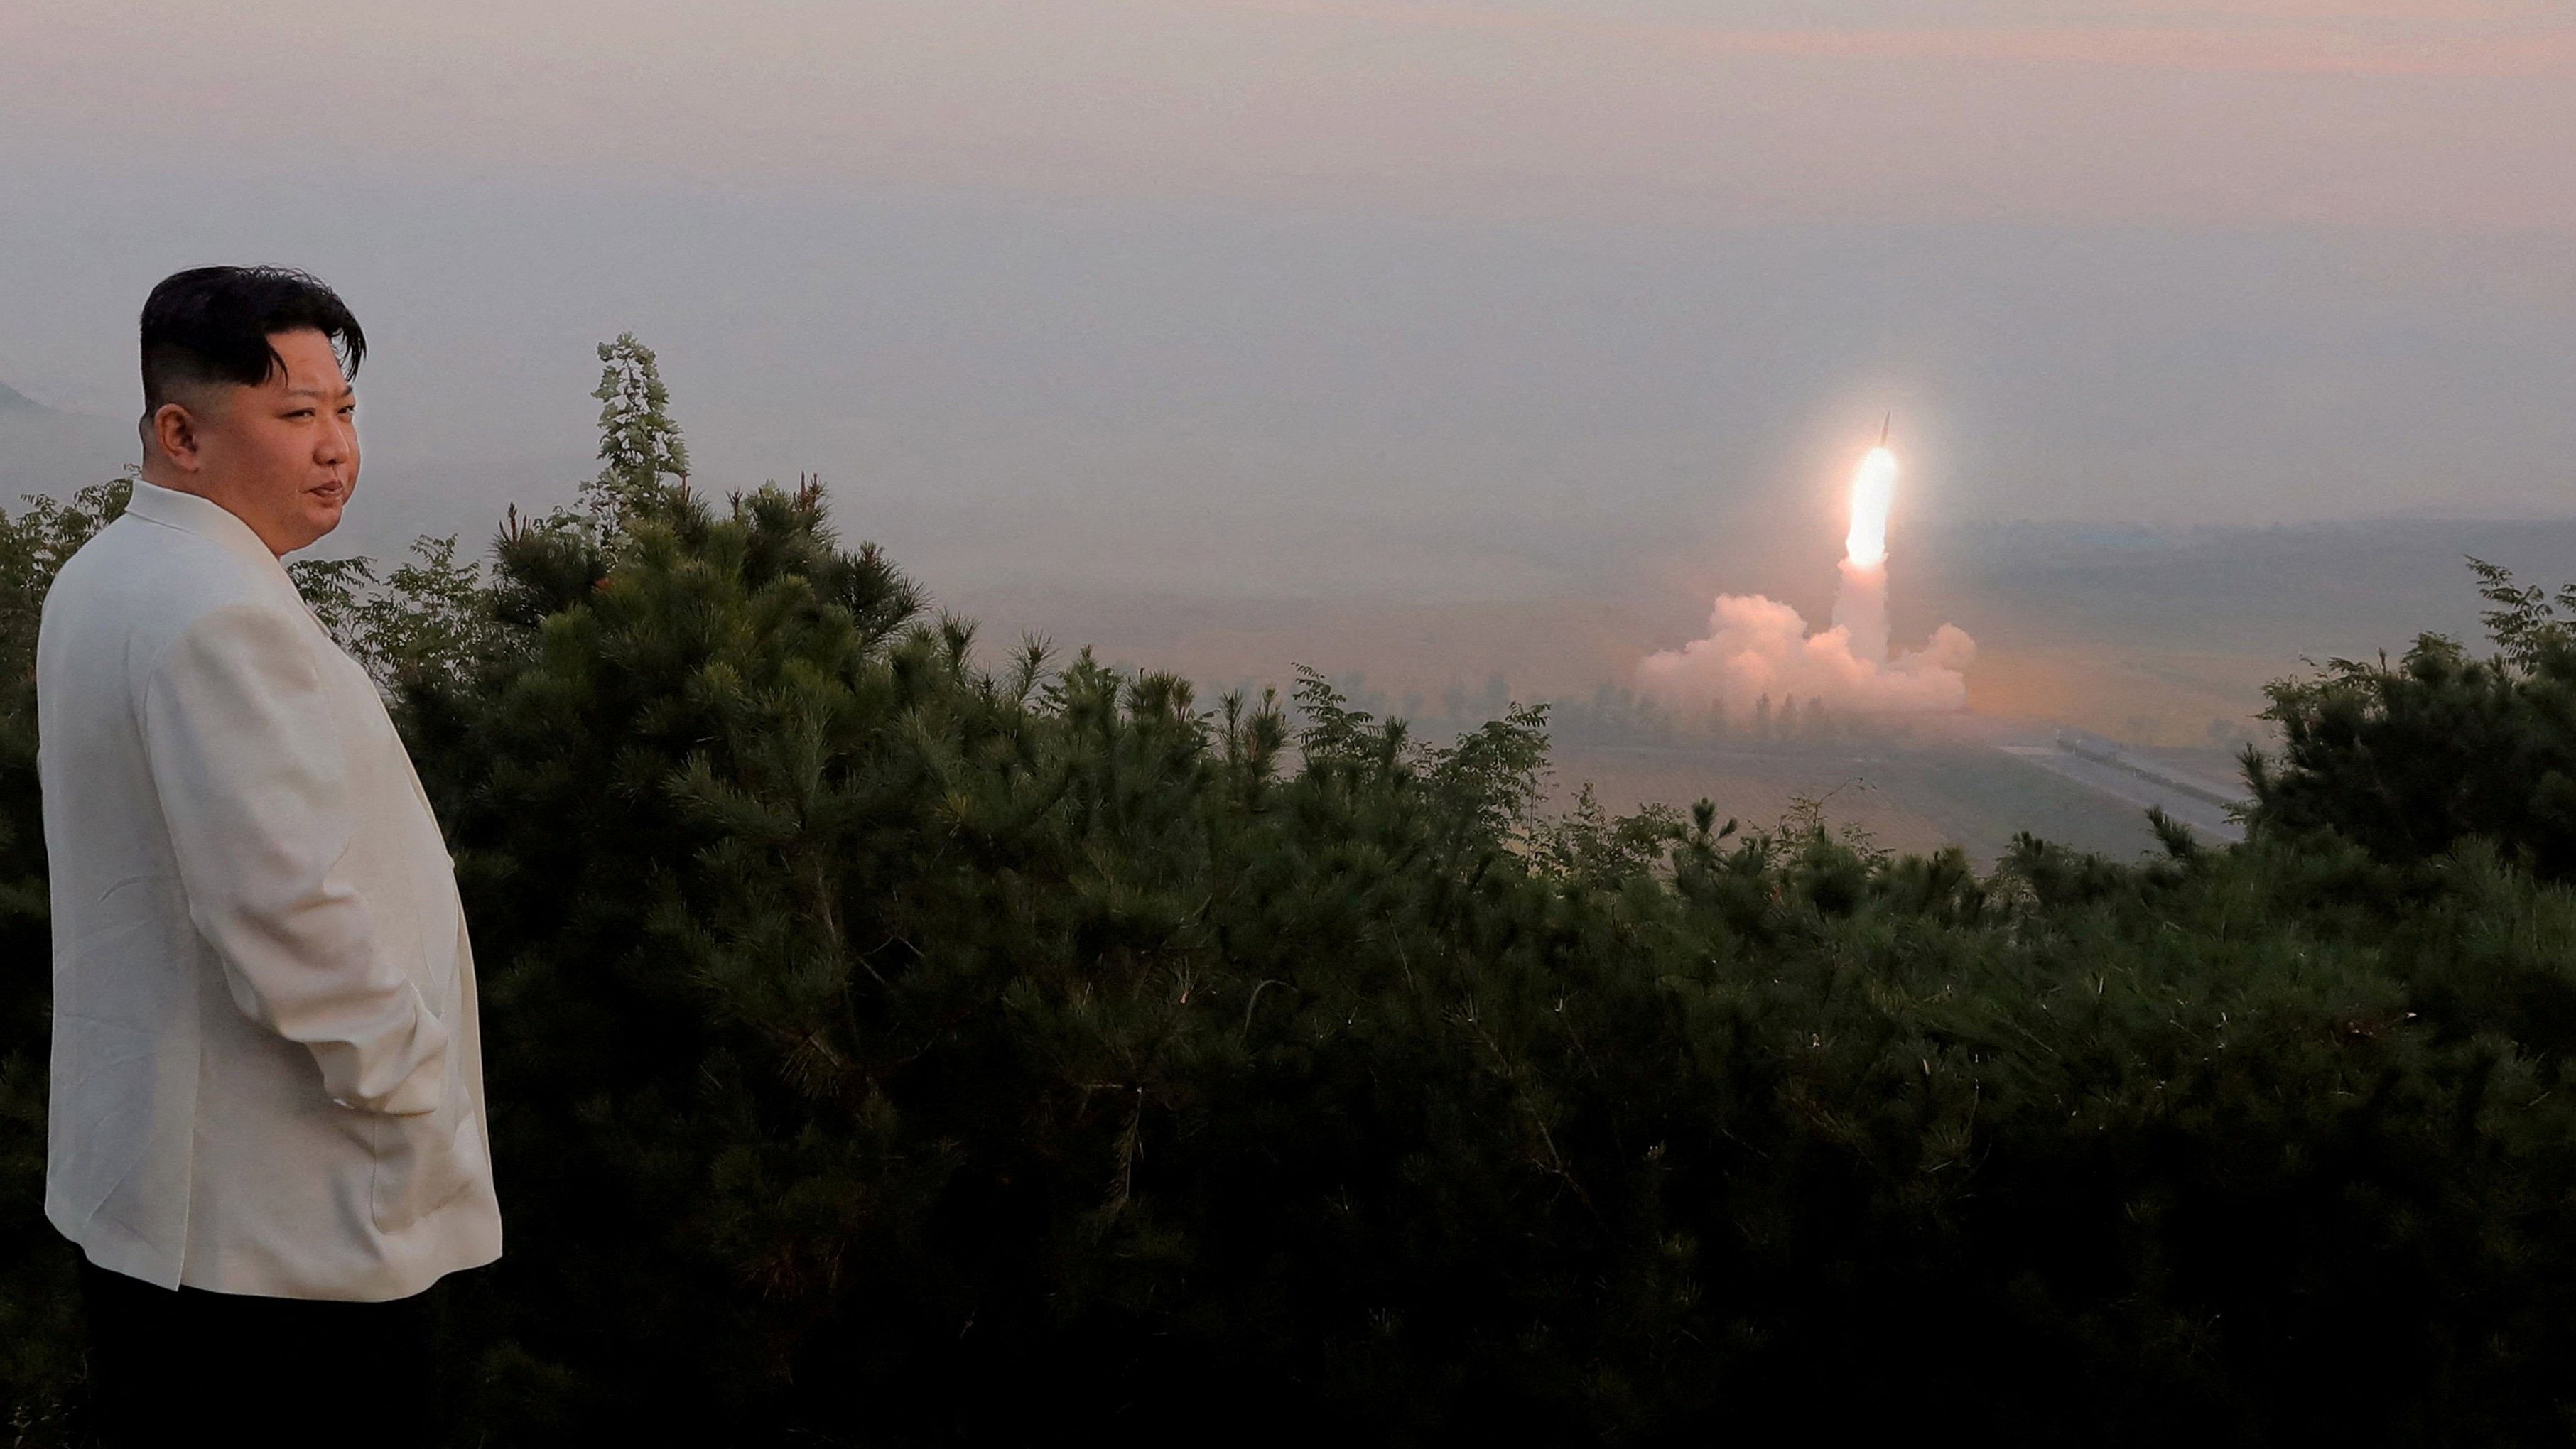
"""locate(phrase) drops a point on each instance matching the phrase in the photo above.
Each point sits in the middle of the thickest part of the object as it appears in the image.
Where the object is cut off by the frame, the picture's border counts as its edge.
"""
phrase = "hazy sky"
(1492, 297)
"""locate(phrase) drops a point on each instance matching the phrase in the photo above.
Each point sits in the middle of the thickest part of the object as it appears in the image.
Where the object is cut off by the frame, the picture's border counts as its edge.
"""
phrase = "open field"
(1904, 798)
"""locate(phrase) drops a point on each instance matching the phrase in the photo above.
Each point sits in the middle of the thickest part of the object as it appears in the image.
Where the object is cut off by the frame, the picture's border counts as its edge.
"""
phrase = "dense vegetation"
(2410, 760)
(888, 1049)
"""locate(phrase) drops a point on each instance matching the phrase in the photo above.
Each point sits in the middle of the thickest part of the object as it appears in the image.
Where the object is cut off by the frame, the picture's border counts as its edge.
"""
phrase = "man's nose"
(339, 439)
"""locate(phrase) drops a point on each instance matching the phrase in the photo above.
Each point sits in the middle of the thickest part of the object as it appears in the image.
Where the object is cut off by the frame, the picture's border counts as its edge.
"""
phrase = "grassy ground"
(1905, 798)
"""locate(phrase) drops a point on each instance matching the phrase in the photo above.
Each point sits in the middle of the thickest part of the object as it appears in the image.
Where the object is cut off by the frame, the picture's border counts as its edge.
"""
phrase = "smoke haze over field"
(1276, 404)
(1759, 648)
(1510, 332)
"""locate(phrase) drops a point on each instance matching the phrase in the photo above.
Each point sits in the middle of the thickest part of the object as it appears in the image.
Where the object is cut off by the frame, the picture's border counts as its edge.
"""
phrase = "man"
(266, 1129)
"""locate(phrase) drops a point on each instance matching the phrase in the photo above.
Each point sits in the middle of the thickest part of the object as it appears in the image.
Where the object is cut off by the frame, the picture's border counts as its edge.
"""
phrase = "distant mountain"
(50, 450)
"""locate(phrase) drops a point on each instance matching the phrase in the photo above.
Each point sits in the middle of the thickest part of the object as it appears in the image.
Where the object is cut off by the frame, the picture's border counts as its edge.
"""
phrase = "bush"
(885, 1049)
(39, 1335)
(2412, 759)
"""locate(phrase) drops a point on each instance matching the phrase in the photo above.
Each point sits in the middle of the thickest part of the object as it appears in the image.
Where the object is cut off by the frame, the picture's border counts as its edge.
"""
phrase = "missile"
(1883, 425)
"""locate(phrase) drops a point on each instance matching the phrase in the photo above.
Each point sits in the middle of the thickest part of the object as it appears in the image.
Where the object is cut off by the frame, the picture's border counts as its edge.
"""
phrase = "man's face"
(282, 456)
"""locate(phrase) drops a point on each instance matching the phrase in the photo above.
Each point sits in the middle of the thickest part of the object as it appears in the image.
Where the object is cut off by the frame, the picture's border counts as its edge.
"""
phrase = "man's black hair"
(212, 324)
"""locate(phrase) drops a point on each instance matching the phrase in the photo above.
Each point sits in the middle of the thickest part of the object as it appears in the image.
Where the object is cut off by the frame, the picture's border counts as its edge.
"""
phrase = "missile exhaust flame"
(1759, 647)
(1873, 493)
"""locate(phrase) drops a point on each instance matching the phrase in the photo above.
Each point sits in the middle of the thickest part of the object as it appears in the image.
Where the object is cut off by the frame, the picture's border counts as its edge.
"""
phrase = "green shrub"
(39, 1336)
(2409, 760)
(885, 1049)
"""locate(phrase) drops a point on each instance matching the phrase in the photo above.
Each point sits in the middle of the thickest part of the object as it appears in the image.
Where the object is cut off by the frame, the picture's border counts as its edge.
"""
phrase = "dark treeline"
(886, 1048)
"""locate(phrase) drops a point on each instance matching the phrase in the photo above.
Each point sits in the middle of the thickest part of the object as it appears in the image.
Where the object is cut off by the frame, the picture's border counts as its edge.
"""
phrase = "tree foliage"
(639, 444)
(890, 1047)
(2410, 760)
(38, 1334)
(423, 624)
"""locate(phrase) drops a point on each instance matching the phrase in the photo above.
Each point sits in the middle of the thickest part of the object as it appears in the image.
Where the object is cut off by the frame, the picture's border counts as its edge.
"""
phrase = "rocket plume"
(1873, 493)
(1758, 646)
(1860, 605)
(1860, 610)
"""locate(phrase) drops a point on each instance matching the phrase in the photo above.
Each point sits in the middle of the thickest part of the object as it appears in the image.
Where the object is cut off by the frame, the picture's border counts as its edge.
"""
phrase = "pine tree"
(639, 444)
(869, 1025)
(39, 1339)
(2412, 759)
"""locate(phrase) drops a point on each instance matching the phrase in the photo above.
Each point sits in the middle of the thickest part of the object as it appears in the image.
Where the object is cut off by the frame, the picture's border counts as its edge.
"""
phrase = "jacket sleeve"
(252, 779)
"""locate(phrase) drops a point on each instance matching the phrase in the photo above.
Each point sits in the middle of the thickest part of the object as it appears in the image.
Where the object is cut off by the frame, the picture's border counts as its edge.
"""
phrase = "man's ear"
(171, 431)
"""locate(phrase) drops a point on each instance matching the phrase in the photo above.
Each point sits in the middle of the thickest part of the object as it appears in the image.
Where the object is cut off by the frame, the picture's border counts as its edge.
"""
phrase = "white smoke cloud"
(1758, 646)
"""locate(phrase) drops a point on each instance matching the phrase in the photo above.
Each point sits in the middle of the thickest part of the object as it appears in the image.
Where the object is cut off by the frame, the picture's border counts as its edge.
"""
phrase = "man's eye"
(301, 413)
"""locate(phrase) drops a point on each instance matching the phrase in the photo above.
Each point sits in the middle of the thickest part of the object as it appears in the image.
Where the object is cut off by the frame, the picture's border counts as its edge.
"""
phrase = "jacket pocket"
(423, 1163)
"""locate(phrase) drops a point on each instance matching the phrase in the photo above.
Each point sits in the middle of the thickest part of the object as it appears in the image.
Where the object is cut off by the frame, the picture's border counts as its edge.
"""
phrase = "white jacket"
(267, 1077)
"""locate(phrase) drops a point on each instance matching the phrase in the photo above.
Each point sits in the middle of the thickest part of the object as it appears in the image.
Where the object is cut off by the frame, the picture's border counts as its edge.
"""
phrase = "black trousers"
(168, 1368)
